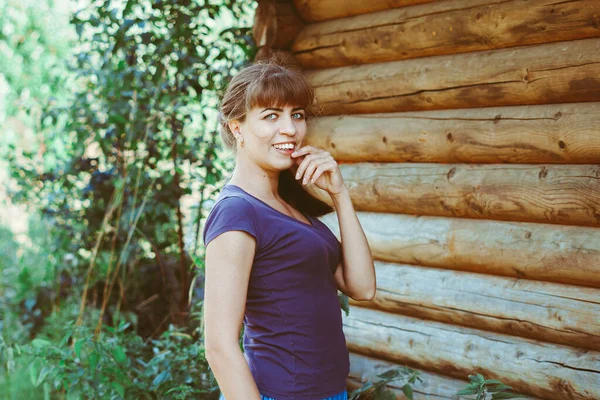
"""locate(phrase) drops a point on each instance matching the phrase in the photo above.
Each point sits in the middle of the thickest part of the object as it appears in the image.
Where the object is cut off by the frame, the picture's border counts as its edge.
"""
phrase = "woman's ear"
(234, 127)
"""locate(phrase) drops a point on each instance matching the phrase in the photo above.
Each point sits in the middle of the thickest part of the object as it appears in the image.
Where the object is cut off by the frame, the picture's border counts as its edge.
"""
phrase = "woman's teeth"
(285, 148)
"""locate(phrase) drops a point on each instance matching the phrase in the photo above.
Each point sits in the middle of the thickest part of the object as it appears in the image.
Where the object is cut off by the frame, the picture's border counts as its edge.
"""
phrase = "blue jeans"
(340, 396)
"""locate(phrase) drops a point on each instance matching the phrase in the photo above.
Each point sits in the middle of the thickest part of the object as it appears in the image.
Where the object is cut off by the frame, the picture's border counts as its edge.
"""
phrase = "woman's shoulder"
(233, 200)
(231, 211)
(232, 204)
(229, 197)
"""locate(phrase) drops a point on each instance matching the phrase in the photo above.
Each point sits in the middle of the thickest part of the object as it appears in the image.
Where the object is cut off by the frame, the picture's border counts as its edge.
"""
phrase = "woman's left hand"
(317, 166)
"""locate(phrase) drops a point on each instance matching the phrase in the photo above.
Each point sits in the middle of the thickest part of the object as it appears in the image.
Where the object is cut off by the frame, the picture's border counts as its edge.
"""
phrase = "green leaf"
(119, 388)
(43, 373)
(507, 395)
(36, 377)
(40, 343)
(161, 378)
(495, 381)
(117, 118)
(94, 357)
(467, 390)
(33, 372)
(77, 347)
(408, 392)
(119, 354)
(498, 388)
(343, 299)
(124, 325)
(211, 179)
(142, 362)
(387, 375)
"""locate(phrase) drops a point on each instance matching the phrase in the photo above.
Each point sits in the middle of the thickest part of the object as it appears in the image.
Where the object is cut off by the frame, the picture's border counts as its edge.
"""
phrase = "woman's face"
(272, 134)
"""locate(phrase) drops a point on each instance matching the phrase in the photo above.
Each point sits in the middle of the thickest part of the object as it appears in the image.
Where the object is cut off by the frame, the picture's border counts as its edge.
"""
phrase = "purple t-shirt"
(293, 338)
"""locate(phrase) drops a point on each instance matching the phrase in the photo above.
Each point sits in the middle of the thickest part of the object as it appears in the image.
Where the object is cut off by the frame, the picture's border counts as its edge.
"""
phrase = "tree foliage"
(127, 131)
(140, 135)
(33, 42)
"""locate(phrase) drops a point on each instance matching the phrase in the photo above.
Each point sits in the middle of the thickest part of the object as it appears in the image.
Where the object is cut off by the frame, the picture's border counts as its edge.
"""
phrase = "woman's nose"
(287, 126)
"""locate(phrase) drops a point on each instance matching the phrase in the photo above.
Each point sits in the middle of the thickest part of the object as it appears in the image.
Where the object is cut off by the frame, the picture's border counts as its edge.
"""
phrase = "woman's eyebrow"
(281, 110)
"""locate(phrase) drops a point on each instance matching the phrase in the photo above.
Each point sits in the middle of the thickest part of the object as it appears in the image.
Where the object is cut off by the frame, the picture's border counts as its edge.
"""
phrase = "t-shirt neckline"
(311, 225)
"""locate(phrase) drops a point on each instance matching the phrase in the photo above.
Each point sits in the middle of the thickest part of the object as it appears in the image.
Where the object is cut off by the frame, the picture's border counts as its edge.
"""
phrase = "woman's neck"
(262, 185)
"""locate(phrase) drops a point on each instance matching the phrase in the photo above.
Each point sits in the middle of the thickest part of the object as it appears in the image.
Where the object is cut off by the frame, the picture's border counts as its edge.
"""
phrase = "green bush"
(119, 364)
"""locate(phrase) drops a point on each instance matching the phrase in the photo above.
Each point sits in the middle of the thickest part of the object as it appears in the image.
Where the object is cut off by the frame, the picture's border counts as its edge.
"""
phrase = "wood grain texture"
(550, 312)
(558, 194)
(556, 134)
(530, 367)
(320, 10)
(550, 73)
(445, 27)
(554, 253)
(276, 24)
(363, 368)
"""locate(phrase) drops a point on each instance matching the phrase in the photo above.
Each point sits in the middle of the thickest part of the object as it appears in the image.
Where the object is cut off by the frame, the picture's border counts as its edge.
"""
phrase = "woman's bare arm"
(355, 275)
(228, 263)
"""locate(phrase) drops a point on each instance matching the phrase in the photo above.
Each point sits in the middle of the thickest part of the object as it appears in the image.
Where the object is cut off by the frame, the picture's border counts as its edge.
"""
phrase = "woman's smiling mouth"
(284, 148)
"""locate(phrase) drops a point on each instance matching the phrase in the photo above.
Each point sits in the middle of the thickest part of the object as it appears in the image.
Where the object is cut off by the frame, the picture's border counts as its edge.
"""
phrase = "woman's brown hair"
(271, 84)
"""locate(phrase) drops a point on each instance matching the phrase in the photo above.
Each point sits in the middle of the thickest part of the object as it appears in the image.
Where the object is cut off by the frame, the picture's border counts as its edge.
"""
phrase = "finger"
(306, 150)
(320, 166)
(310, 169)
(318, 172)
(306, 162)
(329, 167)
(325, 154)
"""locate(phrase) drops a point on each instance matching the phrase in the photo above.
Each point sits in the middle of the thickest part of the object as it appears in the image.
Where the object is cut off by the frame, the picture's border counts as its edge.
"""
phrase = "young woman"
(270, 263)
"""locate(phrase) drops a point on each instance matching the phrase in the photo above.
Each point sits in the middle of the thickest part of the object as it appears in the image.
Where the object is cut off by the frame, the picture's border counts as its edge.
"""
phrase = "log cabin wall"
(468, 134)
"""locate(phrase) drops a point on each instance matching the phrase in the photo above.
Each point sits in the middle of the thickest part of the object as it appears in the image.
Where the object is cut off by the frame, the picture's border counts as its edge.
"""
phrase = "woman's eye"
(299, 115)
(271, 115)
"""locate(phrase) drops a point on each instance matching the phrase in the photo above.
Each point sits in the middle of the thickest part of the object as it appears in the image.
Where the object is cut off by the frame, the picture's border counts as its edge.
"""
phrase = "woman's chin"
(280, 161)
(283, 166)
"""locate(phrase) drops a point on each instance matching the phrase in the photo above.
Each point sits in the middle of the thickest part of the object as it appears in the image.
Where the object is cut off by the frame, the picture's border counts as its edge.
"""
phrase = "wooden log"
(555, 253)
(560, 72)
(558, 194)
(430, 386)
(530, 367)
(446, 27)
(549, 312)
(320, 10)
(562, 133)
(276, 24)
(363, 368)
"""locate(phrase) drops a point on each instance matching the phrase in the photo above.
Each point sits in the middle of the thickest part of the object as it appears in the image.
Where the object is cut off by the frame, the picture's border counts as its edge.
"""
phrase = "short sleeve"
(230, 214)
